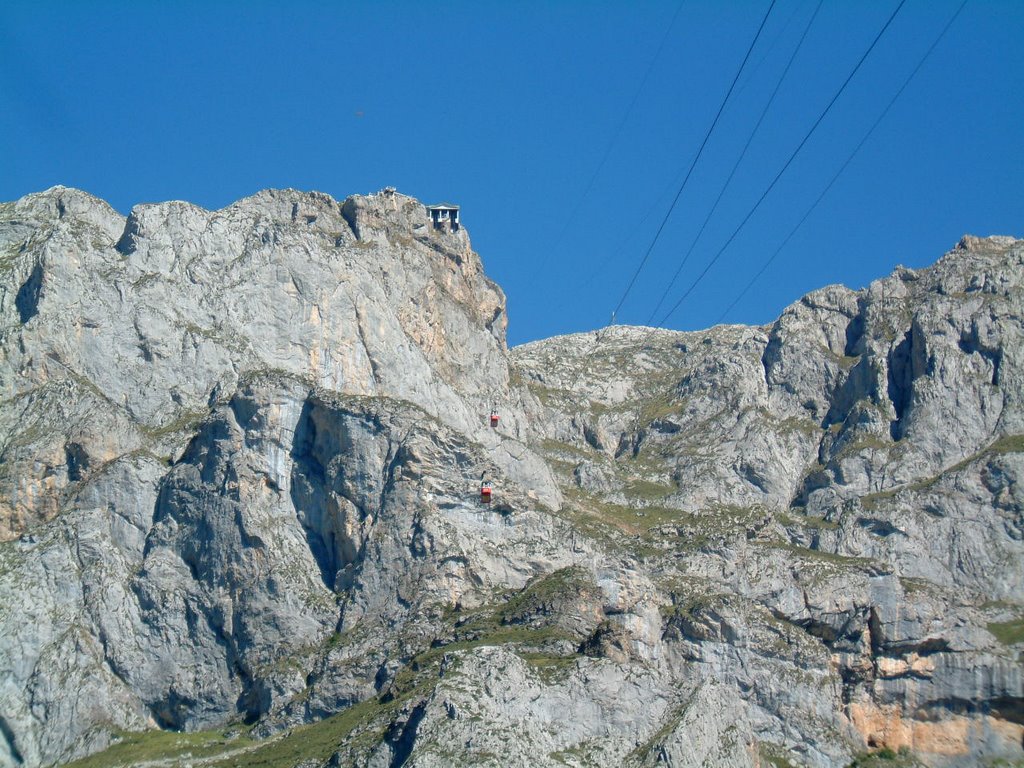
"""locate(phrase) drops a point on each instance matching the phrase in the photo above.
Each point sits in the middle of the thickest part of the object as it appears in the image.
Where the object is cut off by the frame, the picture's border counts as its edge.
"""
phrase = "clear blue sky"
(508, 108)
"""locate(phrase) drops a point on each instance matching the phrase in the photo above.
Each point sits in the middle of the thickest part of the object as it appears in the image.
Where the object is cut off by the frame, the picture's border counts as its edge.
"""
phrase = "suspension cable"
(782, 170)
(735, 166)
(696, 157)
(748, 78)
(842, 168)
(618, 131)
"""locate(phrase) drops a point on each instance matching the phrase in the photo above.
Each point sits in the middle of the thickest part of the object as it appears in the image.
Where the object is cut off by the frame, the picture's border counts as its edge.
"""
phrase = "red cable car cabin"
(494, 418)
(485, 493)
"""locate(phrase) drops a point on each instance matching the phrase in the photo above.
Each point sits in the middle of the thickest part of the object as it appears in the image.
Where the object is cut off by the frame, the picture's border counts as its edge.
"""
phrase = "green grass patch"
(819, 523)
(134, 748)
(652, 530)
(669, 724)
(546, 661)
(1008, 632)
(886, 757)
(801, 426)
(784, 520)
(806, 521)
(548, 396)
(186, 422)
(316, 741)
(646, 490)
(565, 582)
(597, 517)
(915, 586)
(692, 603)
(865, 443)
(821, 556)
(1003, 445)
(872, 501)
(773, 755)
(561, 449)
(660, 406)
(11, 556)
(1008, 444)
(552, 670)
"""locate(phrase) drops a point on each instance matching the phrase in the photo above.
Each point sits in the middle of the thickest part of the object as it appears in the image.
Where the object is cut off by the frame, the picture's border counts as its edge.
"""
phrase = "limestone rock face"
(850, 471)
(240, 460)
(206, 417)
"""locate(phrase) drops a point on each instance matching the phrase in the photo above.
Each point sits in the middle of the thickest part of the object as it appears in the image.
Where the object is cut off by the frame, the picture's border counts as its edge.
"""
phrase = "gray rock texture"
(240, 523)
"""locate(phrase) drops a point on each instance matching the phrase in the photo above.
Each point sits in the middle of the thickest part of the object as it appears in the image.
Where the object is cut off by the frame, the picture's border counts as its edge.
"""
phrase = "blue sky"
(508, 110)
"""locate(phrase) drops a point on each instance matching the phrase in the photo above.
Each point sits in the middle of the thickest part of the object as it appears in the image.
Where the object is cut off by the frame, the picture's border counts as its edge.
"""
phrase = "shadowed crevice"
(12, 746)
(27, 300)
(308, 475)
(406, 738)
(900, 382)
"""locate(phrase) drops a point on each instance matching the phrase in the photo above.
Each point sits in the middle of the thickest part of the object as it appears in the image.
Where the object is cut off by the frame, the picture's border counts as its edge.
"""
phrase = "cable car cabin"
(494, 417)
(485, 493)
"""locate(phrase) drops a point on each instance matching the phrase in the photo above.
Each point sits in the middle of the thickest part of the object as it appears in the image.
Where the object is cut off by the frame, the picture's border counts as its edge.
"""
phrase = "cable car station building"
(444, 215)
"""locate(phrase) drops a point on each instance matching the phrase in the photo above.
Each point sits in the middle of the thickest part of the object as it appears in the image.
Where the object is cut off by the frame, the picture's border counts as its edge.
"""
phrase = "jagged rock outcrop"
(852, 469)
(188, 493)
(240, 453)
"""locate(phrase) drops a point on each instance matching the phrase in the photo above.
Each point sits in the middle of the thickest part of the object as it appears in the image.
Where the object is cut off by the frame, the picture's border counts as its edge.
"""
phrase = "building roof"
(439, 206)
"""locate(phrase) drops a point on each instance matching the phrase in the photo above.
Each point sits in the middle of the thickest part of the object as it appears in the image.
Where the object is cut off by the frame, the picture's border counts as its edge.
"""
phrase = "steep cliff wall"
(239, 460)
(850, 470)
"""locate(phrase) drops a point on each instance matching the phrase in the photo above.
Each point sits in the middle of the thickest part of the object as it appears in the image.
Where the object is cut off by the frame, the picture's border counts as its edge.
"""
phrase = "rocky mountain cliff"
(240, 459)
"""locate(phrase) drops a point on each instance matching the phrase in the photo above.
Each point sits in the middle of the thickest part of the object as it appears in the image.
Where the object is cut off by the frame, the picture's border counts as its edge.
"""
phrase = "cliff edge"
(240, 516)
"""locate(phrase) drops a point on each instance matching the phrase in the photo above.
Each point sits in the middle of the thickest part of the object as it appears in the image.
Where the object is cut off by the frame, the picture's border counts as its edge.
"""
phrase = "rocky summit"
(242, 455)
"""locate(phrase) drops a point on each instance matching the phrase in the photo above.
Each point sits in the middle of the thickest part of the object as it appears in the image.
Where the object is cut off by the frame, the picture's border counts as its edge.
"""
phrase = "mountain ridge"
(254, 439)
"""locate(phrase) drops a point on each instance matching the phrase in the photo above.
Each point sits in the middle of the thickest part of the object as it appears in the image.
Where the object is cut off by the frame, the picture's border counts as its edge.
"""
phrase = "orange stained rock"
(886, 726)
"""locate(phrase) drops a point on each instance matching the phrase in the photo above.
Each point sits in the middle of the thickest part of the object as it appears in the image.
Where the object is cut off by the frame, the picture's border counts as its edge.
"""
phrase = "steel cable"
(693, 165)
(782, 170)
(848, 160)
(735, 166)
